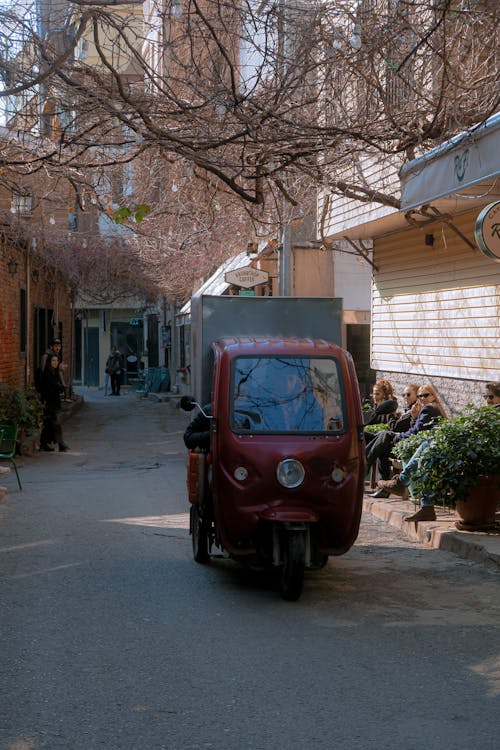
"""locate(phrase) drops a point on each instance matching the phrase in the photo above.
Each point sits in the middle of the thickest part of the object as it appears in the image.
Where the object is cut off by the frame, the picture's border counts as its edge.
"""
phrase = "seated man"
(410, 398)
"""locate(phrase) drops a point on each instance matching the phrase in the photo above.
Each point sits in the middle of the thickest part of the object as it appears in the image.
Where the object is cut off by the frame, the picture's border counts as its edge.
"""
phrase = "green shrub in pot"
(21, 407)
(461, 449)
(405, 449)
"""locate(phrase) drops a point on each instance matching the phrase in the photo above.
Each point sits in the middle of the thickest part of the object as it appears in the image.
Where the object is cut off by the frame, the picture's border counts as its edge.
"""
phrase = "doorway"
(129, 340)
(91, 356)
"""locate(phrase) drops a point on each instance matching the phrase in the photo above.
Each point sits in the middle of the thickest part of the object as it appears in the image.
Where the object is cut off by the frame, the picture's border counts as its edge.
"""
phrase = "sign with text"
(487, 231)
(246, 277)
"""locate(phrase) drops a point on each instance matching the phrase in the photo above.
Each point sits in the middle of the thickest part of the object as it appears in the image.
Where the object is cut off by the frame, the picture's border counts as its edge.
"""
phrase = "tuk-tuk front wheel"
(292, 571)
(199, 535)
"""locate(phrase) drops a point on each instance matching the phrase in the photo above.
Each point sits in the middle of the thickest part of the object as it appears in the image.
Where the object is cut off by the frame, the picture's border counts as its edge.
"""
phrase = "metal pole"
(285, 256)
(285, 270)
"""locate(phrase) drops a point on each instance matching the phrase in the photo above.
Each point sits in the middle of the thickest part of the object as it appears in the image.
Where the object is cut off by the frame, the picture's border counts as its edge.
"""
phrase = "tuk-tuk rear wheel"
(292, 571)
(199, 536)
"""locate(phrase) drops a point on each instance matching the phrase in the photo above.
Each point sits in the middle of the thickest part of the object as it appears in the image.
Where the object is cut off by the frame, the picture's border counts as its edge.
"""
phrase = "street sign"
(246, 277)
(247, 293)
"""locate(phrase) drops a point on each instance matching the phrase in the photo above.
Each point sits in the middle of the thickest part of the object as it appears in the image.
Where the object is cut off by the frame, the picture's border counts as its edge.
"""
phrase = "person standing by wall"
(51, 389)
(54, 349)
(114, 367)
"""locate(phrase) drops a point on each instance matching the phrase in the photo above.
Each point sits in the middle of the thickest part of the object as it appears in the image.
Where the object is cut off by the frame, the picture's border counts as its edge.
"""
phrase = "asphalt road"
(112, 637)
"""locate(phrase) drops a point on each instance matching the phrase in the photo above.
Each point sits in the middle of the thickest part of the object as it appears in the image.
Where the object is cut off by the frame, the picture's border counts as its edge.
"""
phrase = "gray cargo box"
(214, 318)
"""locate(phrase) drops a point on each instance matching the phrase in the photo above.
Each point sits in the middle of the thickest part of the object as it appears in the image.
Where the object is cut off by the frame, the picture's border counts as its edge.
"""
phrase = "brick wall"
(12, 362)
(16, 366)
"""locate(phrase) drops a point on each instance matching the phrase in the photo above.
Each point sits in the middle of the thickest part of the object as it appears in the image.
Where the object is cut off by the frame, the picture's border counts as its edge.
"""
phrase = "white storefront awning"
(471, 158)
(217, 284)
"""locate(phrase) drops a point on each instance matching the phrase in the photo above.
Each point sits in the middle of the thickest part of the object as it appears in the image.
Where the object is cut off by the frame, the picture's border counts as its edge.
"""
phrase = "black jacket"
(197, 434)
(405, 421)
(426, 420)
(114, 363)
(51, 389)
(384, 412)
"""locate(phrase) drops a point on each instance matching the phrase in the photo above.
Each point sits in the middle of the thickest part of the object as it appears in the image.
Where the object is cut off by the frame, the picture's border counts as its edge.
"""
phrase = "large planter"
(27, 444)
(477, 510)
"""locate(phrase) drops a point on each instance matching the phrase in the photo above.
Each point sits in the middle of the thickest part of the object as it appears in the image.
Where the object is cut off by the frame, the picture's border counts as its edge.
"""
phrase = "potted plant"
(23, 408)
(461, 466)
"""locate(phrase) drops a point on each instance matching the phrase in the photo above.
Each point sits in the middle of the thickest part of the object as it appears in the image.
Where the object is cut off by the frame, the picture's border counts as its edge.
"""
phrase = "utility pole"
(285, 259)
(285, 254)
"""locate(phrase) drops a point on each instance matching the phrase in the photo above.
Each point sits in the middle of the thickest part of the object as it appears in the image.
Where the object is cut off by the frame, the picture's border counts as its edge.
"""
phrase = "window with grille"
(22, 203)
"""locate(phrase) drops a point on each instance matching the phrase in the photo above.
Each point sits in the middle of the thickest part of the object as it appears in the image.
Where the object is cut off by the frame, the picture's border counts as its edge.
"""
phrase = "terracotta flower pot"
(477, 511)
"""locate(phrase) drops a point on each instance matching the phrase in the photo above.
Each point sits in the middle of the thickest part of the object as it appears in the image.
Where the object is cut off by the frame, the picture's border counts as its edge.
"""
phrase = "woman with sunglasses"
(492, 395)
(424, 416)
(398, 484)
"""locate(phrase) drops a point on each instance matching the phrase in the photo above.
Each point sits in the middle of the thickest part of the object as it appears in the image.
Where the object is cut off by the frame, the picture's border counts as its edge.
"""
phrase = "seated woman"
(385, 406)
(425, 415)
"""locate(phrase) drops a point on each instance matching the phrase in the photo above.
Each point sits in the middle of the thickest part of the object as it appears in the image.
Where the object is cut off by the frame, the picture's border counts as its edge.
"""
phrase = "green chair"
(8, 438)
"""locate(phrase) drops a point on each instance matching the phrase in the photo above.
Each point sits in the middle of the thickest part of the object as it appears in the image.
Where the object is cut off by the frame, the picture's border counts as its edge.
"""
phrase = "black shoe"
(63, 448)
(380, 493)
(46, 448)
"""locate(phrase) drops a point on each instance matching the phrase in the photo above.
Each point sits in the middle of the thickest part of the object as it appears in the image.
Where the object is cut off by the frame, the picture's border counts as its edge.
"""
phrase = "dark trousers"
(380, 448)
(115, 383)
(51, 430)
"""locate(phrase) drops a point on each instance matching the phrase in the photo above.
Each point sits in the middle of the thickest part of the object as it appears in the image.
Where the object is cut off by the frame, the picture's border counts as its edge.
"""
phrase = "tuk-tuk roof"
(267, 345)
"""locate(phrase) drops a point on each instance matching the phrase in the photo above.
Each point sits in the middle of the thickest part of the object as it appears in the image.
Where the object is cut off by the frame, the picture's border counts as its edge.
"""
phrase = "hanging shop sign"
(246, 277)
(487, 231)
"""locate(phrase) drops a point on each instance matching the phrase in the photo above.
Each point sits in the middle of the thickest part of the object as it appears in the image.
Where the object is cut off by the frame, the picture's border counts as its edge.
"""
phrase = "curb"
(482, 547)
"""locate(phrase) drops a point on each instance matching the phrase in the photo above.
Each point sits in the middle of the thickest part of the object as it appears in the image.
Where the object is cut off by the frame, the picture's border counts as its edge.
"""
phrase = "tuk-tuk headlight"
(240, 473)
(338, 475)
(290, 473)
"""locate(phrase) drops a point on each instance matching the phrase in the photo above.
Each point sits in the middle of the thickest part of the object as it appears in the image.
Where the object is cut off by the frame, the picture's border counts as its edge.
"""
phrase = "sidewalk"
(477, 546)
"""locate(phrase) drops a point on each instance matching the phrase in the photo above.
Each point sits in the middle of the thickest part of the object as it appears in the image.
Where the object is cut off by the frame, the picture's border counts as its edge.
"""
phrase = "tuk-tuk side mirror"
(187, 403)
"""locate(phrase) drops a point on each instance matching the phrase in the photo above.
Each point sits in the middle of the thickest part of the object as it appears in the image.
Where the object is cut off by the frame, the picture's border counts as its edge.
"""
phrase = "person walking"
(51, 389)
(114, 367)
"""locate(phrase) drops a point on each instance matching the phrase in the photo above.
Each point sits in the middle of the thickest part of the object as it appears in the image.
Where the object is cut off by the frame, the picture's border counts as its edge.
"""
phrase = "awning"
(216, 284)
(471, 158)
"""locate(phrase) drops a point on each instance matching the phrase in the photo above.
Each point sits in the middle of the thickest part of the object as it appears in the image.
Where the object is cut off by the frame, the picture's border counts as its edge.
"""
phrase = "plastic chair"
(8, 439)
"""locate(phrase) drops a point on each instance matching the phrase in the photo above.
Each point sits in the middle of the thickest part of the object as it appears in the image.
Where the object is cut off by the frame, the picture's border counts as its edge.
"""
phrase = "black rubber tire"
(199, 536)
(292, 572)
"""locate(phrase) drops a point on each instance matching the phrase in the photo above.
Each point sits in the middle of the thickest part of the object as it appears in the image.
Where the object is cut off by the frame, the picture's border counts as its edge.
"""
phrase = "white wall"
(436, 310)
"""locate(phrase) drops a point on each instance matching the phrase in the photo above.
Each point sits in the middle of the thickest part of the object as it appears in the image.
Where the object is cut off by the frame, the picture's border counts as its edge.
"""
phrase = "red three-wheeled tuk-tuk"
(282, 484)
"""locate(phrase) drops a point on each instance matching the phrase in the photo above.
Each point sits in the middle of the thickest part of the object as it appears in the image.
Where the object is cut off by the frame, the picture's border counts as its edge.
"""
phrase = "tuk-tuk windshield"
(286, 394)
